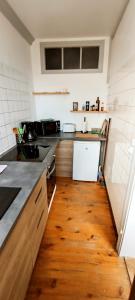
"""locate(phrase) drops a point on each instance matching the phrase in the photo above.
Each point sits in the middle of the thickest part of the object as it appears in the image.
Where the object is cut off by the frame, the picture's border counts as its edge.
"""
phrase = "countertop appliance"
(29, 131)
(49, 127)
(84, 126)
(40, 128)
(86, 160)
(69, 127)
(27, 152)
(7, 196)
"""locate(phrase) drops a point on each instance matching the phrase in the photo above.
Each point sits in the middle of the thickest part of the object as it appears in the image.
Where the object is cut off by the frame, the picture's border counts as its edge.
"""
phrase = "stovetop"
(27, 152)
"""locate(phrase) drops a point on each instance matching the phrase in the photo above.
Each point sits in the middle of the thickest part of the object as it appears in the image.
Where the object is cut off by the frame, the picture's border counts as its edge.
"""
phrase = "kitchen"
(32, 89)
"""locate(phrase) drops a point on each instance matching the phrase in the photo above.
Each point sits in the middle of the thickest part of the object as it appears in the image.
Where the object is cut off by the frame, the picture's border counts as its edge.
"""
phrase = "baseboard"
(111, 211)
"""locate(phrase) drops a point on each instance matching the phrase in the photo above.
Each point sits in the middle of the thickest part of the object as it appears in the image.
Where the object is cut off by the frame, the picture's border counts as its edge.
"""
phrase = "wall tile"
(121, 106)
(15, 97)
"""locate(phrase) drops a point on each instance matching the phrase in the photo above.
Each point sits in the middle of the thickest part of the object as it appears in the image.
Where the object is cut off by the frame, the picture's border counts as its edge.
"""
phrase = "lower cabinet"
(86, 160)
(64, 158)
(18, 256)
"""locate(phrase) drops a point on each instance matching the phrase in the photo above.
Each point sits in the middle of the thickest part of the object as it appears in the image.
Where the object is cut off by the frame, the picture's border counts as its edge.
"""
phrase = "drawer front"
(12, 259)
(35, 199)
(40, 204)
(21, 275)
(64, 159)
(38, 230)
(21, 286)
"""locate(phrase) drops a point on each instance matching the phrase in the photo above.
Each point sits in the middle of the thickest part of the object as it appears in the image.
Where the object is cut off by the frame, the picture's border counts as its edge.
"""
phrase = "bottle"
(102, 106)
(87, 105)
(98, 104)
(84, 126)
(83, 107)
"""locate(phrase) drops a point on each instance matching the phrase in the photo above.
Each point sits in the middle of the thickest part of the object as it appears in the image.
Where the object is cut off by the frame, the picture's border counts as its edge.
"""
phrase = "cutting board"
(86, 135)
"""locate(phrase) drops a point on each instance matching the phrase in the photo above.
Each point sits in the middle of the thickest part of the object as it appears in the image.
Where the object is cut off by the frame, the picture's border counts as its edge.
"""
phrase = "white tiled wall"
(15, 95)
(121, 105)
(15, 82)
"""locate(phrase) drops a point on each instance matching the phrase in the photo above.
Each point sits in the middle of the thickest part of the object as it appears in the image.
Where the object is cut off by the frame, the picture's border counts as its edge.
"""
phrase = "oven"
(51, 182)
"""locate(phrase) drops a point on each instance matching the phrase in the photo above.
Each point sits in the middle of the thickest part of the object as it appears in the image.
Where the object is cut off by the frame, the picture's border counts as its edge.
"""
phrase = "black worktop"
(72, 136)
(51, 140)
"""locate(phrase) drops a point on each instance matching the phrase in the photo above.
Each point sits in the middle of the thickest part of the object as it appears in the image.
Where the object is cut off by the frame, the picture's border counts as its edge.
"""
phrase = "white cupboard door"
(86, 160)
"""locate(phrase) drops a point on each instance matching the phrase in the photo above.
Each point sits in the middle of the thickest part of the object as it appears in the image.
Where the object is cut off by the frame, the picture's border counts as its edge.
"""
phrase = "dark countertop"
(46, 154)
(72, 136)
(18, 174)
(24, 175)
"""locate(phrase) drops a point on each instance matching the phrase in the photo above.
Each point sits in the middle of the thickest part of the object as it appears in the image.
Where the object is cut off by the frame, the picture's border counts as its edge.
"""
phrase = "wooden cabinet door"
(23, 274)
(13, 258)
(39, 225)
(64, 159)
(18, 256)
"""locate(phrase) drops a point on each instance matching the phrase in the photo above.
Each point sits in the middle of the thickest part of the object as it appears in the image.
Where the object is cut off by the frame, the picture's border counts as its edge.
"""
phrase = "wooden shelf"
(51, 93)
(89, 111)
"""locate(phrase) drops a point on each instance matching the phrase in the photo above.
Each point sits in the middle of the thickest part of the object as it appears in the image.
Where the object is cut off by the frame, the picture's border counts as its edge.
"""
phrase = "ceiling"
(69, 18)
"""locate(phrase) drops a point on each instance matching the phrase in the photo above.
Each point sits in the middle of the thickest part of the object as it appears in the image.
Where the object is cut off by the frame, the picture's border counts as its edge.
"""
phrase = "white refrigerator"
(86, 160)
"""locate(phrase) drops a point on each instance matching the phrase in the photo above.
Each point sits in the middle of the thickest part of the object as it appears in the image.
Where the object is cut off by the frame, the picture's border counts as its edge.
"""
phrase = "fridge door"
(86, 160)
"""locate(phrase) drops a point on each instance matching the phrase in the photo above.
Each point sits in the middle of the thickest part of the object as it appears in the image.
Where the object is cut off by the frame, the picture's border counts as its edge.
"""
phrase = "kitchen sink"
(7, 196)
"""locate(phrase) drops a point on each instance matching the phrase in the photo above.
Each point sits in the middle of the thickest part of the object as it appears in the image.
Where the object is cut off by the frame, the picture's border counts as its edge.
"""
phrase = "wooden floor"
(77, 258)
(130, 263)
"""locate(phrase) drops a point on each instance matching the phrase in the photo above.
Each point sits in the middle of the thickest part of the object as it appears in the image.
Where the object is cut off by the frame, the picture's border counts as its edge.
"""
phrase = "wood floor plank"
(130, 262)
(77, 258)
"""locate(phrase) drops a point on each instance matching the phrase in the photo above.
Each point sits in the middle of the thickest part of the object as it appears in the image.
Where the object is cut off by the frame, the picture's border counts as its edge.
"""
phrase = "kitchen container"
(69, 127)
(87, 105)
(84, 126)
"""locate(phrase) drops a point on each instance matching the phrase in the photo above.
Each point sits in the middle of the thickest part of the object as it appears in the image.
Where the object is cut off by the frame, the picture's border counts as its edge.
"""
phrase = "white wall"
(121, 105)
(15, 82)
(82, 87)
(127, 243)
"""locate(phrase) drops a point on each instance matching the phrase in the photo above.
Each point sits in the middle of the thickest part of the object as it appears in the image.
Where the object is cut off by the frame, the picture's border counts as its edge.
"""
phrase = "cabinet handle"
(40, 218)
(38, 195)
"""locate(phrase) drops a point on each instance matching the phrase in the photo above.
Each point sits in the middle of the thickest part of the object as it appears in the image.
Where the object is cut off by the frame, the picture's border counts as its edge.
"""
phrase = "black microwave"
(46, 127)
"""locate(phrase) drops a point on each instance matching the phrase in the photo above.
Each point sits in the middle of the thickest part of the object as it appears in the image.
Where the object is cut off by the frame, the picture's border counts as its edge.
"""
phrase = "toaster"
(69, 127)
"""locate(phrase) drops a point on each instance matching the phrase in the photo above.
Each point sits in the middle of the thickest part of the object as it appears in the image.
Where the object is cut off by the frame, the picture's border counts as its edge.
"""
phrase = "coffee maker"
(29, 131)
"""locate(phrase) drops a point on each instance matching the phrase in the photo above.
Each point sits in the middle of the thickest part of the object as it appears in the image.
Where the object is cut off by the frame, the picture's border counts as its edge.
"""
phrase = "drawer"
(35, 198)
(40, 204)
(17, 249)
(21, 275)
(38, 229)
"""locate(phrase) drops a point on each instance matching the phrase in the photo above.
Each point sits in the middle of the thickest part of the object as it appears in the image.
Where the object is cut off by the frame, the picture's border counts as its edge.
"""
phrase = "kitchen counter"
(12, 154)
(53, 141)
(72, 136)
(18, 174)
